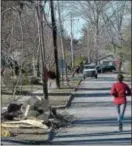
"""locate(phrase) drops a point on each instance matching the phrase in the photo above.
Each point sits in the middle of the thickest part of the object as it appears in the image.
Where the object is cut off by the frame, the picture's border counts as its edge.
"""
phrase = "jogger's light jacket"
(120, 90)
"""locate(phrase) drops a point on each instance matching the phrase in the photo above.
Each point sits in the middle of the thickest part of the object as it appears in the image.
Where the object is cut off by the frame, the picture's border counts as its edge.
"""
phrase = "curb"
(67, 105)
(51, 135)
(70, 98)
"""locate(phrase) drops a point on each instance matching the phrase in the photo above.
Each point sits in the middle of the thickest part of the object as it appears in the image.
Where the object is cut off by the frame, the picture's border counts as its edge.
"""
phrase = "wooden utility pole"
(72, 57)
(62, 40)
(54, 31)
(42, 49)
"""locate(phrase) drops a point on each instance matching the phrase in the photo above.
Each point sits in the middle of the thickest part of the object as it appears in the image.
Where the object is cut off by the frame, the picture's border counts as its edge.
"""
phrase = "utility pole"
(54, 32)
(42, 49)
(88, 46)
(62, 40)
(72, 44)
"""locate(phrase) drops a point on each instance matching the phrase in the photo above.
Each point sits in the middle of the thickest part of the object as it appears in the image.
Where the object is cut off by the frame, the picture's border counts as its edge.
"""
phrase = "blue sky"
(77, 26)
(78, 23)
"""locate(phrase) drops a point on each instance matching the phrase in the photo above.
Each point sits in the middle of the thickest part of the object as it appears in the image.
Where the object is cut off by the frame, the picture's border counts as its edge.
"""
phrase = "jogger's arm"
(113, 91)
(128, 91)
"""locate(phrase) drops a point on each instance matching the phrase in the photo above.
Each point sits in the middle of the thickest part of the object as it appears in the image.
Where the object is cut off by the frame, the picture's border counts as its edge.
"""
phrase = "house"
(107, 60)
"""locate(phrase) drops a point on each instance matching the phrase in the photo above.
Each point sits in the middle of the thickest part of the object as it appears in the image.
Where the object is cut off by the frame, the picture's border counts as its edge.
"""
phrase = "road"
(96, 121)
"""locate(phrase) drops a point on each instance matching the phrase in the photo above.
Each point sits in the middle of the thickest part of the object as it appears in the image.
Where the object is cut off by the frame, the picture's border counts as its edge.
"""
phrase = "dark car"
(109, 68)
(105, 68)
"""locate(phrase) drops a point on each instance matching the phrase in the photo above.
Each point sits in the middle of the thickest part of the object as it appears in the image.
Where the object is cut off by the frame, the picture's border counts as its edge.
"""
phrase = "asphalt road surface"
(95, 113)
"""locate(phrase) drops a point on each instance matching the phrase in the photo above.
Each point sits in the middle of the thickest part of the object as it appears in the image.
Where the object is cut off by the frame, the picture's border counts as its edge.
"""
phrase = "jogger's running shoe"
(120, 127)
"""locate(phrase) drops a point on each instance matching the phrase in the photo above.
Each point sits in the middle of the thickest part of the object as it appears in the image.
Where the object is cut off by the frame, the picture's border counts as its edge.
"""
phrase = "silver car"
(90, 71)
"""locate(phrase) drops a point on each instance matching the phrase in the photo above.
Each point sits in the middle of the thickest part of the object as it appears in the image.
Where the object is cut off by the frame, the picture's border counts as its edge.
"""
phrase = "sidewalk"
(95, 115)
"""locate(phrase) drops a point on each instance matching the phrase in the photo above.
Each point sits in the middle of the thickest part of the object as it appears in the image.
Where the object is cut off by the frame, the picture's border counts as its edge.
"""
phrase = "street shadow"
(99, 122)
(112, 141)
(106, 122)
(59, 94)
(67, 88)
(99, 103)
(94, 134)
(91, 94)
(83, 88)
(106, 79)
(91, 104)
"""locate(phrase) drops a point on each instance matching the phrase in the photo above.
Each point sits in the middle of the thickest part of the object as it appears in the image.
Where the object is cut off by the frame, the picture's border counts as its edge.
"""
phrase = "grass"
(6, 99)
(127, 75)
(60, 99)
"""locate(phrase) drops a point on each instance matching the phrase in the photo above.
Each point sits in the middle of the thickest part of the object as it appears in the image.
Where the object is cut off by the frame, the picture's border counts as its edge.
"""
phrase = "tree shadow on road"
(88, 89)
(111, 141)
(92, 94)
(106, 78)
(106, 122)
(101, 140)
(95, 134)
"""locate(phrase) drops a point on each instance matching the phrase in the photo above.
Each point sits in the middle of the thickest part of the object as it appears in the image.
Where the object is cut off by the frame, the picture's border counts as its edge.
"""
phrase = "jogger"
(120, 90)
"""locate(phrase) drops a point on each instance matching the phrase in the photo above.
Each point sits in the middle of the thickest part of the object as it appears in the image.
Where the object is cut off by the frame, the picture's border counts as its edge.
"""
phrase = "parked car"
(105, 68)
(100, 68)
(90, 71)
(112, 68)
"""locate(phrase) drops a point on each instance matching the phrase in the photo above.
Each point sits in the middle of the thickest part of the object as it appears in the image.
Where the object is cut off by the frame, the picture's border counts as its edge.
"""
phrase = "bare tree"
(115, 27)
(91, 12)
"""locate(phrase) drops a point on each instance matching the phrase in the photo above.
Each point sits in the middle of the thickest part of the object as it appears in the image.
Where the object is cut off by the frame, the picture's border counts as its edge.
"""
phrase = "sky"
(77, 24)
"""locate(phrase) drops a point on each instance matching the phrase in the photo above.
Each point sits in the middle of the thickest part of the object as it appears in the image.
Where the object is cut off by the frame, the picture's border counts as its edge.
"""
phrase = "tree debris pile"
(58, 120)
(32, 115)
(13, 111)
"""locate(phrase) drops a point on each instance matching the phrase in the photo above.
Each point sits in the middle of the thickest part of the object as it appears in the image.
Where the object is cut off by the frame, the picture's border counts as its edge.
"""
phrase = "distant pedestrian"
(120, 90)
(69, 68)
(76, 71)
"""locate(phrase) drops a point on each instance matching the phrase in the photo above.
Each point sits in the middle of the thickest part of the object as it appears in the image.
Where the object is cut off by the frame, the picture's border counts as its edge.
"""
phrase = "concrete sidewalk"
(96, 117)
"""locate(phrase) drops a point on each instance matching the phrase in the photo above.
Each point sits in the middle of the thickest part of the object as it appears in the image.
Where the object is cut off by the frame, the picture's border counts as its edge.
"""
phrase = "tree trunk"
(42, 49)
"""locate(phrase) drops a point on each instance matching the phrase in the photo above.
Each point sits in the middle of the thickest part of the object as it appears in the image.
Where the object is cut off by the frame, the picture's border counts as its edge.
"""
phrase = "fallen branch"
(34, 123)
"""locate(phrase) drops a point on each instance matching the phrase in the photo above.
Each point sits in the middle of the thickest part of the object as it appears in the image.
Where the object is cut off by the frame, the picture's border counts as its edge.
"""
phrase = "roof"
(104, 57)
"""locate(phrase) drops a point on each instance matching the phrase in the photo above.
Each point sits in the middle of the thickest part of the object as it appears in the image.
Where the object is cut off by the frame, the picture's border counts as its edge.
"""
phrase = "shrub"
(34, 80)
(25, 80)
